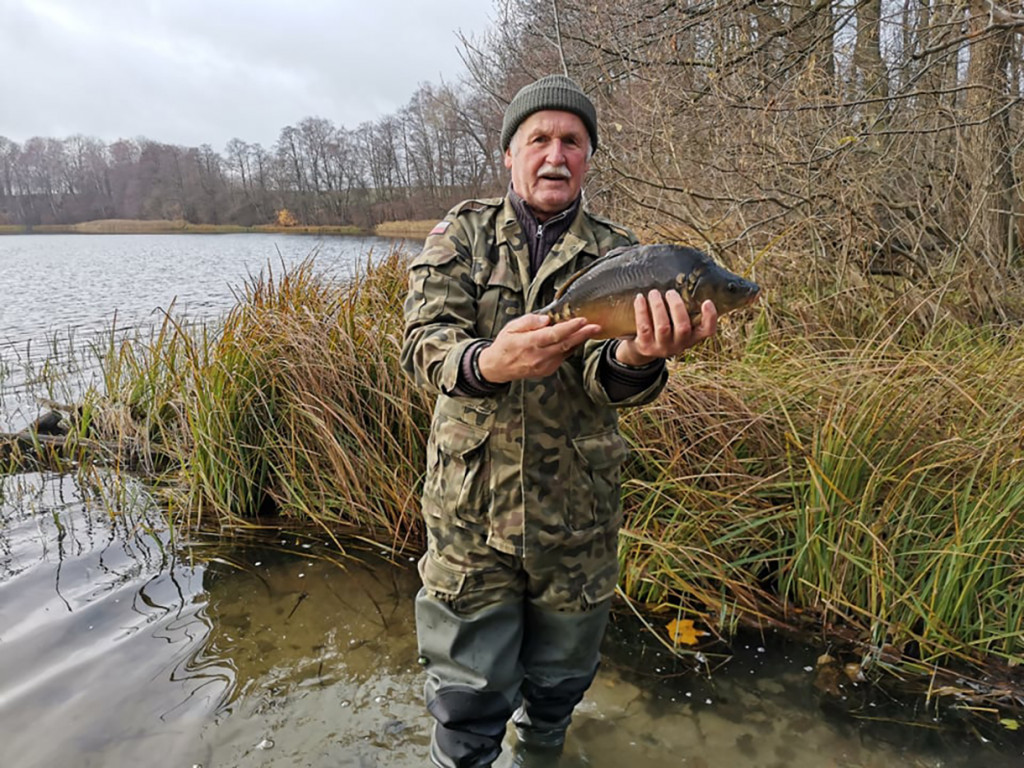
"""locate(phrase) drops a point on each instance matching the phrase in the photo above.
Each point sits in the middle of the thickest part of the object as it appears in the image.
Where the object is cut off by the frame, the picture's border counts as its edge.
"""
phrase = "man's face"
(549, 158)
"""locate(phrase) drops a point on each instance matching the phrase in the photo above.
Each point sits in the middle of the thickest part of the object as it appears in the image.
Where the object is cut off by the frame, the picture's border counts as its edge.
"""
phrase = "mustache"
(558, 171)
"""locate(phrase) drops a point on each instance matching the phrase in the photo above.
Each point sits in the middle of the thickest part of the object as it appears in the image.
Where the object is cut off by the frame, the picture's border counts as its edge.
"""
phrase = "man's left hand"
(663, 328)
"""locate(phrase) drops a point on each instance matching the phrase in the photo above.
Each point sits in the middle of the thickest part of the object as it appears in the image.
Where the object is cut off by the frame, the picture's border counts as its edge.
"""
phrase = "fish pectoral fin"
(616, 251)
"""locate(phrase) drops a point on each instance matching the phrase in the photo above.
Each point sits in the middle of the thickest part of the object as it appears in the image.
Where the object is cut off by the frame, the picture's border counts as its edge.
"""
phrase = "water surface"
(121, 647)
(55, 283)
(61, 295)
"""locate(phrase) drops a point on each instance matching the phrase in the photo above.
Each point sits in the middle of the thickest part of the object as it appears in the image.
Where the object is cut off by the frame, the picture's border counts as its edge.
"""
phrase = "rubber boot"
(560, 656)
(473, 677)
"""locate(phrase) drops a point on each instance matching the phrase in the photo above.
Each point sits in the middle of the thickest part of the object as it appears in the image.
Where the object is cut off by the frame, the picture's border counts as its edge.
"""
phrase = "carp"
(603, 291)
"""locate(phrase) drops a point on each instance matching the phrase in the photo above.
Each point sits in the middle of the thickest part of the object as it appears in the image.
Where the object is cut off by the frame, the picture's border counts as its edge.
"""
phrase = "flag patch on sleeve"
(440, 227)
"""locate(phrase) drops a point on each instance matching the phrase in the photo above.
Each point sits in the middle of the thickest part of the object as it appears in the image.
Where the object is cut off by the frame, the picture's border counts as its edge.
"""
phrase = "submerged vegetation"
(822, 465)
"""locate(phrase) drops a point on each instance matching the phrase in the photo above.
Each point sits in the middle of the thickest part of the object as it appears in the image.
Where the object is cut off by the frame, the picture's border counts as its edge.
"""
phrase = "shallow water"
(119, 647)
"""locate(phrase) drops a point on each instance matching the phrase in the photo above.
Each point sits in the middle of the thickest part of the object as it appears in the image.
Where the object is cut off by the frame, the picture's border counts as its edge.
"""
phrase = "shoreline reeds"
(860, 477)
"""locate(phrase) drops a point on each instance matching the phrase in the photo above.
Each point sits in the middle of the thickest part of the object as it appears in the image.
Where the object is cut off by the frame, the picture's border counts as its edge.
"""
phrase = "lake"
(122, 645)
(57, 283)
(60, 293)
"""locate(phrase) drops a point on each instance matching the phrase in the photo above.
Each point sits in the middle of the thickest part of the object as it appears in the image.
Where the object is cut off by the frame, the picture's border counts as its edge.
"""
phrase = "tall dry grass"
(294, 410)
(413, 229)
(837, 460)
(872, 483)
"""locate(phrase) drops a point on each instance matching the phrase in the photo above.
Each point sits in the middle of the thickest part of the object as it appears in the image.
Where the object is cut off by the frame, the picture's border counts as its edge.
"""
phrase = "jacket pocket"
(500, 300)
(439, 579)
(457, 480)
(596, 485)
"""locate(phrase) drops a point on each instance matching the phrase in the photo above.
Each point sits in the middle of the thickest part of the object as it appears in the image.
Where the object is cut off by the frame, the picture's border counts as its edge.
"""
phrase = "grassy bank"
(410, 230)
(826, 464)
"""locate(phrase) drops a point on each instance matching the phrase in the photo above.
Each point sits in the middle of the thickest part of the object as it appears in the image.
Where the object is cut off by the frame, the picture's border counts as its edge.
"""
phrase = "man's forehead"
(554, 122)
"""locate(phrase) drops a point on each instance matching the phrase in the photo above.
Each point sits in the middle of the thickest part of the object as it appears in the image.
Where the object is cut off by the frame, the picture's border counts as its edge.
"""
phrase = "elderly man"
(521, 493)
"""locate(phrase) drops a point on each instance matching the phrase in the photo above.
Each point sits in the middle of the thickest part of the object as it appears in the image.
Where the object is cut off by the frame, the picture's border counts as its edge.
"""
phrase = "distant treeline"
(879, 135)
(404, 166)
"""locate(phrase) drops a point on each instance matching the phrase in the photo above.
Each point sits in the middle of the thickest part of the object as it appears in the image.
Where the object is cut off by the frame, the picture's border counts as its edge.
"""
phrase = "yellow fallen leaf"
(683, 631)
(1010, 725)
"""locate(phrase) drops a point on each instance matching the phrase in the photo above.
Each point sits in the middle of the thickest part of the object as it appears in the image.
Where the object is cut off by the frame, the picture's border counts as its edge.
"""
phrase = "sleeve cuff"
(470, 382)
(622, 381)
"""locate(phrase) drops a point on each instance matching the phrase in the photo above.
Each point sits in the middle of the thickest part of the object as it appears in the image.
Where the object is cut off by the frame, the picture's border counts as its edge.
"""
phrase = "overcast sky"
(192, 72)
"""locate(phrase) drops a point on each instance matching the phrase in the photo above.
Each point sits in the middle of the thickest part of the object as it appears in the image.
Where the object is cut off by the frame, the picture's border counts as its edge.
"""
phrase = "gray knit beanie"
(551, 92)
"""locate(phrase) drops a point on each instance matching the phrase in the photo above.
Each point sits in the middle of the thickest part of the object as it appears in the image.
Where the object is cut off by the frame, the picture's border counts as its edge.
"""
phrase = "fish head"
(726, 290)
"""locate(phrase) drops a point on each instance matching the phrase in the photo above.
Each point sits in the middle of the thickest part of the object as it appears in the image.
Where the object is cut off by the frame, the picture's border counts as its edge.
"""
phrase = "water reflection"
(324, 657)
(95, 612)
(121, 647)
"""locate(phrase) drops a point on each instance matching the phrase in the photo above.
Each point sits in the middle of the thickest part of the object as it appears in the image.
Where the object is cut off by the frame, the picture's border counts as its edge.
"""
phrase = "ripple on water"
(278, 655)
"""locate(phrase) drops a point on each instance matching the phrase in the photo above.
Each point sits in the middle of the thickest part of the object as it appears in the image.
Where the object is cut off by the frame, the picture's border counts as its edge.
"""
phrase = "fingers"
(567, 335)
(528, 322)
(708, 321)
(677, 330)
(642, 315)
(660, 320)
(665, 321)
(531, 347)
(663, 324)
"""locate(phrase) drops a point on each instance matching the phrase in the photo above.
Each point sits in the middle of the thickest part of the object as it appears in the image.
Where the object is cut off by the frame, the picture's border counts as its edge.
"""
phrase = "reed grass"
(837, 466)
(291, 410)
(852, 464)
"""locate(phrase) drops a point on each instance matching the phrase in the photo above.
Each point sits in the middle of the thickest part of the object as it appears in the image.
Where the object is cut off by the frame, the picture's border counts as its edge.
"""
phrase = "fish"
(603, 291)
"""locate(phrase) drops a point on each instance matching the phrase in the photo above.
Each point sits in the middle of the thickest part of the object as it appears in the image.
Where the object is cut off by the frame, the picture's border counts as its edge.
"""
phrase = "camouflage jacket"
(537, 462)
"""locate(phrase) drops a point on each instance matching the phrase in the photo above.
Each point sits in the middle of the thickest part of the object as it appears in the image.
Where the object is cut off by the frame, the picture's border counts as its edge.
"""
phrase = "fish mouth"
(748, 301)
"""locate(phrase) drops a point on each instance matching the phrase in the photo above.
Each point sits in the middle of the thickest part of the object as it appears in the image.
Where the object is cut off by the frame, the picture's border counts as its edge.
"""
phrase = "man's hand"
(663, 328)
(529, 347)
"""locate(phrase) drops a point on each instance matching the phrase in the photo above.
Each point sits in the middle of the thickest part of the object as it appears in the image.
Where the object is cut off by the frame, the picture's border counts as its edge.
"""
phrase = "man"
(521, 493)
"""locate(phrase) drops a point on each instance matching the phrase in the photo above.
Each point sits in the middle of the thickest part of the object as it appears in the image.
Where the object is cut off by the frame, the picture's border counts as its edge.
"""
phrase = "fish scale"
(603, 292)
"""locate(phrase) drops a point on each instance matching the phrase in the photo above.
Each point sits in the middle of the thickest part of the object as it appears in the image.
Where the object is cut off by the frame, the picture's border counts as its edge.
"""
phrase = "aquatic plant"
(291, 410)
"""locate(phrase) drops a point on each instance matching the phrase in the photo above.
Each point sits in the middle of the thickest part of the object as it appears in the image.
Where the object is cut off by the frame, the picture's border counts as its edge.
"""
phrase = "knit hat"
(551, 92)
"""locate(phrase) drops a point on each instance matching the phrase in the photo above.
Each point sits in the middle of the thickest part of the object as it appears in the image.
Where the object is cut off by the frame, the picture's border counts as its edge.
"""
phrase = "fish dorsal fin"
(577, 275)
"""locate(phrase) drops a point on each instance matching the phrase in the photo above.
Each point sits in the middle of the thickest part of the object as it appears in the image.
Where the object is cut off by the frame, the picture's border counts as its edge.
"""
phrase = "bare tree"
(886, 133)
(988, 140)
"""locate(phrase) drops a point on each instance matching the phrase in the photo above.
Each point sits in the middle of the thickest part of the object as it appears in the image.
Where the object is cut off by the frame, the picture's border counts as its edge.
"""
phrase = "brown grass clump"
(298, 409)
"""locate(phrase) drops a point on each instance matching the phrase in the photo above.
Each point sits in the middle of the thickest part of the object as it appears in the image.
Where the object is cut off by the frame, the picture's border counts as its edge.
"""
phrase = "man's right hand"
(529, 347)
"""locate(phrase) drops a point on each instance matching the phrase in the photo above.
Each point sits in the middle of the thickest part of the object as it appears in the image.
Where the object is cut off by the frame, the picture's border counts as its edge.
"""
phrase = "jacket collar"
(577, 237)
